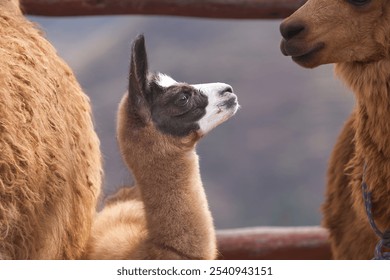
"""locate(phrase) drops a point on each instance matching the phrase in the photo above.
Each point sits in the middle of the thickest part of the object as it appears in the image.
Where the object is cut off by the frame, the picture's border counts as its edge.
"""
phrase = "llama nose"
(291, 29)
(223, 91)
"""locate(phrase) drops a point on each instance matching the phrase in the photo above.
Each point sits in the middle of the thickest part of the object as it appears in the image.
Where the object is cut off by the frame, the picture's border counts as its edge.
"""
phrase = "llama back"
(50, 165)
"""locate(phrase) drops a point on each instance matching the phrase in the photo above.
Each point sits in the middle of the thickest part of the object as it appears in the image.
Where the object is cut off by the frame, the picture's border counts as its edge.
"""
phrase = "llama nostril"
(225, 90)
(290, 30)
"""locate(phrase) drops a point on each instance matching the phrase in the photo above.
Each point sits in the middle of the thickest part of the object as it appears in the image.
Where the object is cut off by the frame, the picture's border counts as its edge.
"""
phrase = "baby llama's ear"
(138, 83)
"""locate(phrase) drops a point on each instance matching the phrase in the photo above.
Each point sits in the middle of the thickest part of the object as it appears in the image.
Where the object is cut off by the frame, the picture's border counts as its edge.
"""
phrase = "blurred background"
(264, 167)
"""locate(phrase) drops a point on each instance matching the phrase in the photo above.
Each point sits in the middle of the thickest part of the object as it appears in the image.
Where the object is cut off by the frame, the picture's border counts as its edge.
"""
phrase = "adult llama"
(50, 165)
(355, 36)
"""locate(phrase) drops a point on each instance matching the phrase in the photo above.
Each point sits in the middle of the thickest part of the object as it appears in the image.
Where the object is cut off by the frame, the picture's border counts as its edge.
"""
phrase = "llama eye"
(359, 2)
(183, 99)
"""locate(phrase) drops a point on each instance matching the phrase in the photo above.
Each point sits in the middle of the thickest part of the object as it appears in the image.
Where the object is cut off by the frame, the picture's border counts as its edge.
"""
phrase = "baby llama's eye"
(183, 99)
(359, 2)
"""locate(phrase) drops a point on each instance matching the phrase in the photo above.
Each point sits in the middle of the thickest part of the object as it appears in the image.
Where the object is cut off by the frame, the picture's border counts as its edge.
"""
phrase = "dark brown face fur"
(176, 110)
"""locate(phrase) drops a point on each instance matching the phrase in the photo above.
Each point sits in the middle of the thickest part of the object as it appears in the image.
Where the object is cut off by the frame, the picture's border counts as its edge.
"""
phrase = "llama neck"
(176, 208)
(371, 85)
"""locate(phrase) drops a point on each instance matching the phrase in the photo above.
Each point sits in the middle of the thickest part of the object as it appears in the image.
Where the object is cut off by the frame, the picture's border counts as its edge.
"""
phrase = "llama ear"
(138, 81)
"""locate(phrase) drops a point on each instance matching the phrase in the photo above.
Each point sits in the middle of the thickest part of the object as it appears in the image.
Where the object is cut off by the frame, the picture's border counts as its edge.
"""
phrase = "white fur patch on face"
(222, 104)
(165, 81)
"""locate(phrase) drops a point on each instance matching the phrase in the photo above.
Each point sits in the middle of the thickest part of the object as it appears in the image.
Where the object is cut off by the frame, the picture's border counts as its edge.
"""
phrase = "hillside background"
(264, 167)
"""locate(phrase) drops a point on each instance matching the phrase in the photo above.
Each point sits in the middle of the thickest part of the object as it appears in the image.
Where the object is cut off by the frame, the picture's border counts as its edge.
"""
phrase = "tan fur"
(357, 39)
(12, 6)
(166, 215)
(50, 166)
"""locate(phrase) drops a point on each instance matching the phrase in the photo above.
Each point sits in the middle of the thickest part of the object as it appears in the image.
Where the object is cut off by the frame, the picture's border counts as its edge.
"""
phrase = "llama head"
(160, 108)
(336, 31)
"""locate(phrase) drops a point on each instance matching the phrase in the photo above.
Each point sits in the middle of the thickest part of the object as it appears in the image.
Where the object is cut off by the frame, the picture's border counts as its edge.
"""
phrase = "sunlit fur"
(165, 215)
(357, 39)
(50, 166)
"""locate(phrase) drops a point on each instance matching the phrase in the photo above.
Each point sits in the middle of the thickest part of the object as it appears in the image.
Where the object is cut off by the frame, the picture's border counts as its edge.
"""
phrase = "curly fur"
(357, 39)
(50, 166)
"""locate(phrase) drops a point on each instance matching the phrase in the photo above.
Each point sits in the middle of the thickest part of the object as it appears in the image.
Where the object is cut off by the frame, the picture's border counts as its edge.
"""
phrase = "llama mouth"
(299, 53)
(230, 104)
(308, 56)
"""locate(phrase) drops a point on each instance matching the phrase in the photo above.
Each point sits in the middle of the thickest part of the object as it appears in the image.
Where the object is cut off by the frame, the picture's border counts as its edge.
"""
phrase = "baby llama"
(165, 215)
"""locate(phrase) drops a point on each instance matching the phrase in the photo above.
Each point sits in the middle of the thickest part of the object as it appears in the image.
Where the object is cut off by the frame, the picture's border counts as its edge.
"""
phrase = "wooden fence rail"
(223, 9)
(274, 243)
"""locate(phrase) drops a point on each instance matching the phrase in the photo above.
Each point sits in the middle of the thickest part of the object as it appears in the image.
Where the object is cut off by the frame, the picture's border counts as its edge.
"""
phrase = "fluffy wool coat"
(50, 163)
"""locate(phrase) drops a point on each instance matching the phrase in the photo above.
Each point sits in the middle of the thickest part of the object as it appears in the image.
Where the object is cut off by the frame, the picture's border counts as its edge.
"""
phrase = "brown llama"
(355, 35)
(50, 165)
(165, 215)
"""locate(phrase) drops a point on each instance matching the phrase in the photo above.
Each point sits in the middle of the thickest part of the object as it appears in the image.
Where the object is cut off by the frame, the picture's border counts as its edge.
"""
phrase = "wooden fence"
(227, 9)
(287, 243)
